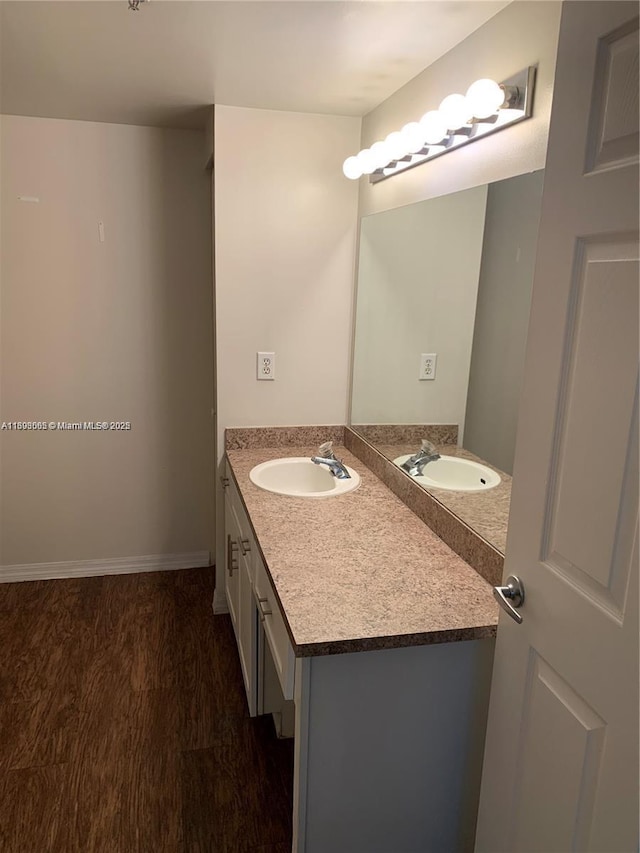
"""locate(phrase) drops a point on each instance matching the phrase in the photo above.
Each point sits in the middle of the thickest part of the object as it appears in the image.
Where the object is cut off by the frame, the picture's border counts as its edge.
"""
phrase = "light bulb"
(380, 151)
(433, 127)
(351, 168)
(484, 97)
(455, 111)
(396, 145)
(366, 161)
(413, 137)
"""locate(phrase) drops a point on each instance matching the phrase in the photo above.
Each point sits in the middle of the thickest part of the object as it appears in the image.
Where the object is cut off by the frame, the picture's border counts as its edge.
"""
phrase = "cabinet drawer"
(274, 629)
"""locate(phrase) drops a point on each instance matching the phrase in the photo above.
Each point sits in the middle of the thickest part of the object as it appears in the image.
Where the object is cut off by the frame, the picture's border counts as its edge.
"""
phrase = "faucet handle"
(326, 450)
(428, 446)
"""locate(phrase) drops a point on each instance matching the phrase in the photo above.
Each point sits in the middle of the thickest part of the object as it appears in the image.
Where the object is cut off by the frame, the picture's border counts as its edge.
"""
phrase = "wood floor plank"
(124, 726)
(38, 733)
(129, 805)
(231, 801)
(271, 848)
(42, 645)
(33, 815)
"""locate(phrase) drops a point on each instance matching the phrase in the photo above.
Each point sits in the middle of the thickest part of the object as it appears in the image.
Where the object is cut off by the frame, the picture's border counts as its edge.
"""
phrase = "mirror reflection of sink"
(455, 474)
(299, 477)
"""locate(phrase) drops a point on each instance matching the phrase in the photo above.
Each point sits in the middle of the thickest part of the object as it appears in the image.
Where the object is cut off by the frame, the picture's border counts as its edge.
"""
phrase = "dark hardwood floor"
(124, 726)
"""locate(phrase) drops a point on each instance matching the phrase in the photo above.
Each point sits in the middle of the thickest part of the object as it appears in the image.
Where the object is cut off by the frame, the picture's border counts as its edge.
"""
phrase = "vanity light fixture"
(486, 108)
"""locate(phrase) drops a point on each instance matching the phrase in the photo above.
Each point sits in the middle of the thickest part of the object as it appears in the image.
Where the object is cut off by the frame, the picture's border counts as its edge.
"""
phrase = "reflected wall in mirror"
(450, 277)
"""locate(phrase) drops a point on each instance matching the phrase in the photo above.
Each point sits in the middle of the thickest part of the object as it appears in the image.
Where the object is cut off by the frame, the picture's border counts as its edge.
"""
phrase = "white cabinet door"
(248, 592)
(239, 589)
(561, 759)
(275, 630)
(232, 567)
(247, 633)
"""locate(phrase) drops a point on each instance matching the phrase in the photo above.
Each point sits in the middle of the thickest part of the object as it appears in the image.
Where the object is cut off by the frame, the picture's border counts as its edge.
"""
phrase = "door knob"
(510, 597)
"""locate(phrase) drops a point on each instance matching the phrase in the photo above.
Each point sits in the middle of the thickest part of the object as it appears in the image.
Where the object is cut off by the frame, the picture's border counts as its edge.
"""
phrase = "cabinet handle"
(265, 610)
(245, 546)
(232, 546)
(224, 481)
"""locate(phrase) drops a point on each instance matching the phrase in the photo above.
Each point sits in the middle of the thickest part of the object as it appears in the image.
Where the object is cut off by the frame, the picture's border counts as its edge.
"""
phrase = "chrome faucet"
(414, 466)
(326, 457)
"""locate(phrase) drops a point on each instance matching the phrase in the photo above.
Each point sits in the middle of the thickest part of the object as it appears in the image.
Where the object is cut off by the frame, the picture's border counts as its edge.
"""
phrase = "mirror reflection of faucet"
(414, 466)
(327, 457)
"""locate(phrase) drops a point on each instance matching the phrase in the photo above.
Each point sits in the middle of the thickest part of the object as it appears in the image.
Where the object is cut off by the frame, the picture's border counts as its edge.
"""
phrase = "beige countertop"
(360, 571)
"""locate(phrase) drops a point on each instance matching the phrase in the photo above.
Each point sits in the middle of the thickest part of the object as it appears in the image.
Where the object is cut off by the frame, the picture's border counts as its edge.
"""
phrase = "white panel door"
(561, 760)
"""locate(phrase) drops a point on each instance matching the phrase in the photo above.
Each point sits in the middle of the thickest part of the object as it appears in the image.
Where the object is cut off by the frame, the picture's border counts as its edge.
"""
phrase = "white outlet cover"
(428, 364)
(266, 366)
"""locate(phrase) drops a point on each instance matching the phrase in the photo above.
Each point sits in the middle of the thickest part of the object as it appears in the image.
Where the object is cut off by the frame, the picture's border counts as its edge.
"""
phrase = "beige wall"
(119, 330)
(522, 34)
(285, 232)
(284, 255)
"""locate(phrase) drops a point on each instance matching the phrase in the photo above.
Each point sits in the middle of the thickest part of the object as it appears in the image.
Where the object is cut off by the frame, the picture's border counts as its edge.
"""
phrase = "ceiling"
(164, 64)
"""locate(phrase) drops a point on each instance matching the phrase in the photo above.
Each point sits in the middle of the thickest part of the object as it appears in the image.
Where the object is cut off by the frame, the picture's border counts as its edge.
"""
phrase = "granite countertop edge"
(460, 630)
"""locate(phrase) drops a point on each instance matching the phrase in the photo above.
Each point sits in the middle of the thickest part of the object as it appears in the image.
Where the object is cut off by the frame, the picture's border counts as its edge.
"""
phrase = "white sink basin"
(299, 477)
(455, 474)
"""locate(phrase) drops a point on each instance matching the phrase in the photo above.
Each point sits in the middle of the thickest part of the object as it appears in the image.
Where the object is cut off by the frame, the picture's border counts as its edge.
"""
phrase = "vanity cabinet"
(388, 749)
(238, 588)
(388, 741)
(266, 656)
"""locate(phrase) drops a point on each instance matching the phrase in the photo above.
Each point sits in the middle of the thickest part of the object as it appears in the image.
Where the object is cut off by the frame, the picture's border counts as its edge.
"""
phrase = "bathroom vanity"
(370, 641)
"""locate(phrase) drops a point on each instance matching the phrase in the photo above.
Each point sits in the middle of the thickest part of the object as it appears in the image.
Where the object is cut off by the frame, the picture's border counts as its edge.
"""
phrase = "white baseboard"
(93, 568)
(219, 602)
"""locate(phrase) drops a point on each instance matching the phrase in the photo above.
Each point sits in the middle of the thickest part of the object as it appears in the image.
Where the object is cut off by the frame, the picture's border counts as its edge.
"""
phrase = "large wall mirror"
(448, 278)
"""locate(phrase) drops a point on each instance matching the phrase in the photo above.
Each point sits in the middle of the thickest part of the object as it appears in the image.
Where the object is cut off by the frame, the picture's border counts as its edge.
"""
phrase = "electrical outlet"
(266, 365)
(428, 361)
